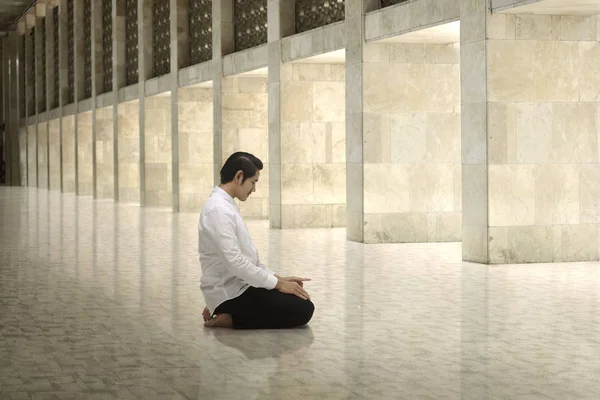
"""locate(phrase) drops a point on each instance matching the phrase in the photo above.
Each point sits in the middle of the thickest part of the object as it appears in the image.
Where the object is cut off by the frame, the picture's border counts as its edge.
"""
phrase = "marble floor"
(101, 301)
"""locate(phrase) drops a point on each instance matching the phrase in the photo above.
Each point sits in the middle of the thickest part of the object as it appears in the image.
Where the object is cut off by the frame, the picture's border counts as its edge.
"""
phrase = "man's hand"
(299, 281)
(291, 287)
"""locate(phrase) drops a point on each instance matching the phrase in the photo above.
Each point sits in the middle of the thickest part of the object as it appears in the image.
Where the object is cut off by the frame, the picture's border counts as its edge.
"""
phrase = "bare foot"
(206, 314)
(220, 321)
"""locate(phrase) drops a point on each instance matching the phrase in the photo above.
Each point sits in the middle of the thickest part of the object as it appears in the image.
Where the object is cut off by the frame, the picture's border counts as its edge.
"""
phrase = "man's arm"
(220, 225)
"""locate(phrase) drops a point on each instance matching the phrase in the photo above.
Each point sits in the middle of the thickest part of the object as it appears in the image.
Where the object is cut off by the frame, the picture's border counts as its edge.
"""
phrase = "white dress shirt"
(228, 259)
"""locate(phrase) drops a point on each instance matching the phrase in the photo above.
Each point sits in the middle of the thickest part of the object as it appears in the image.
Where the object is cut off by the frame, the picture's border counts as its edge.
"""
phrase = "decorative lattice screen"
(311, 14)
(131, 42)
(42, 66)
(71, 52)
(87, 44)
(387, 3)
(161, 37)
(200, 31)
(107, 49)
(32, 74)
(250, 23)
(56, 78)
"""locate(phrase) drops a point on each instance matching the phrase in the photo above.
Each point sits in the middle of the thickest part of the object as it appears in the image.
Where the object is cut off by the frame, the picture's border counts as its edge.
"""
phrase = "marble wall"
(195, 148)
(105, 154)
(23, 155)
(42, 164)
(412, 143)
(544, 134)
(129, 151)
(54, 153)
(85, 168)
(158, 152)
(31, 155)
(245, 128)
(68, 153)
(313, 145)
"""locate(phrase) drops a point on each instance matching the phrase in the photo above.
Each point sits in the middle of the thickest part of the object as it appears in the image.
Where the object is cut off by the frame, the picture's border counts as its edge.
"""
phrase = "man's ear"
(239, 176)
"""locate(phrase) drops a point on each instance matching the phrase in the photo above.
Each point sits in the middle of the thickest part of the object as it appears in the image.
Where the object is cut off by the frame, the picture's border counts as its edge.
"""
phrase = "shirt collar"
(223, 194)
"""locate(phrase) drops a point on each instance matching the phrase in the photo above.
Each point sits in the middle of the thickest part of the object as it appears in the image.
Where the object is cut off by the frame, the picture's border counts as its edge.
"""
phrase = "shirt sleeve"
(220, 227)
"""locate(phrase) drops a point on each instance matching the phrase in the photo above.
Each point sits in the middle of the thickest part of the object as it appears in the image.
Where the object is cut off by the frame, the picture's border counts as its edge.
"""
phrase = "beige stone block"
(511, 195)
(254, 141)
(521, 244)
(230, 85)
(431, 187)
(303, 143)
(510, 71)
(336, 215)
(407, 53)
(195, 117)
(372, 52)
(556, 71)
(252, 208)
(194, 178)
(589, 78)
(373, 229)
(129, 150)
(329, 102)
(589, 193)
(385, 88)
(576, 243)
(405, 228)
(156, 122)
(475, 196)
(431, 88)
(310, 216)
(297, 184)
(577, 28)
(338, 142)
(386, 188)
(457, 187)
(534, 132)
(444, 227)
(194, 95)
(128, 123)
(129, 176)
(252, 85)
(196, 147)
(442, 54)
(557, 194)
(235, 119)
(296, 101)
(372, 138)
(312, 72)
(575, 133)
(408, 138)
(496, 26)
(444, 138)
(534, 27)
(338, 72)
(329, 183)
(502, 133)
(158, 177)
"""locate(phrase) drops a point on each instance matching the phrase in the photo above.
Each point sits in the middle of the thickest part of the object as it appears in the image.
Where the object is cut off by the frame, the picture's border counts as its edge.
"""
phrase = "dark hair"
(240, 161)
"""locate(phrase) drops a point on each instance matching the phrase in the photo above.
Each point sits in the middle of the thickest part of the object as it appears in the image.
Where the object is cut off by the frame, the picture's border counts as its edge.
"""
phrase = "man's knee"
(305, 312)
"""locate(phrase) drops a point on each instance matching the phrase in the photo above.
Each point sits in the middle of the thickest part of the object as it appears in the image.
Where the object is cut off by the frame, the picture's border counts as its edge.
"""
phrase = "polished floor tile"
(101, 301)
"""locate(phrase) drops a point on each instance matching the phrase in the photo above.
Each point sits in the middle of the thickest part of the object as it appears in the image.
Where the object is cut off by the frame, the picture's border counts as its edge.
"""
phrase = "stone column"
(223, 44)
(179, 59)
(145, 72)
(40, 70)
(281, 23)
(355, 42)
(11, 112)
(118, 78)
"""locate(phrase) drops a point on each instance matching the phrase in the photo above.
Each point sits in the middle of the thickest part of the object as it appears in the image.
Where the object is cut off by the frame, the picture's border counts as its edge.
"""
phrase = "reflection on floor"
(101, 301)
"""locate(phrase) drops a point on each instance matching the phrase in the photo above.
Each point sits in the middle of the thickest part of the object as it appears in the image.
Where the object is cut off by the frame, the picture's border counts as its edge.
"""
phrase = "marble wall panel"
(129, 152)
(195, 148)
(42, 164)
(412, 143)
(54, 153)
(68, 153)
(85, 167)
(158, 152)
(23, 155)
(313, 168)
(245, 128)
(544, 129)
(105, 153)
(31, 155)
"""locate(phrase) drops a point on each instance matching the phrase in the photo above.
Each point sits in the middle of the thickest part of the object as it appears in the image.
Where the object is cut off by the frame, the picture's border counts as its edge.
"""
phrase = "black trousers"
(267, 309)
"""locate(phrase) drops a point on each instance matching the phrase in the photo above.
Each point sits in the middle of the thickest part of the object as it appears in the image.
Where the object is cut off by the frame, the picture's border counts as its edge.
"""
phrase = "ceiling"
(558, 7)
(441, 34)
(10, 11)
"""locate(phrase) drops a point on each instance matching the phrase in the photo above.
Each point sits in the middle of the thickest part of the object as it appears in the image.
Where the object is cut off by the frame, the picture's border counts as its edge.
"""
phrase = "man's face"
(249, 186)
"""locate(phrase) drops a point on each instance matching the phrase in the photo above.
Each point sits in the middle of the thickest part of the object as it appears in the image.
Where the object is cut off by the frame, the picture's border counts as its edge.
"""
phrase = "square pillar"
(223, 44)
(281, 23)
(144, 25)
(530, 133)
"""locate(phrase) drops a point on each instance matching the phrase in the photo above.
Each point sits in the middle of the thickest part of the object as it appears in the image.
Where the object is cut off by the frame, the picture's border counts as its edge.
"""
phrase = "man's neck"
(227, 189)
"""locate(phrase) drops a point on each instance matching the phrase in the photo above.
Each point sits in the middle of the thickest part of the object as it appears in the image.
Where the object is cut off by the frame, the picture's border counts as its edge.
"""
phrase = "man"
(241, 292)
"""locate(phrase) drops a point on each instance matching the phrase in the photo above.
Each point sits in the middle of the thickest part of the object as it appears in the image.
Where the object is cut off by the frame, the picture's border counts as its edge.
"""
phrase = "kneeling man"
(241, 292)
